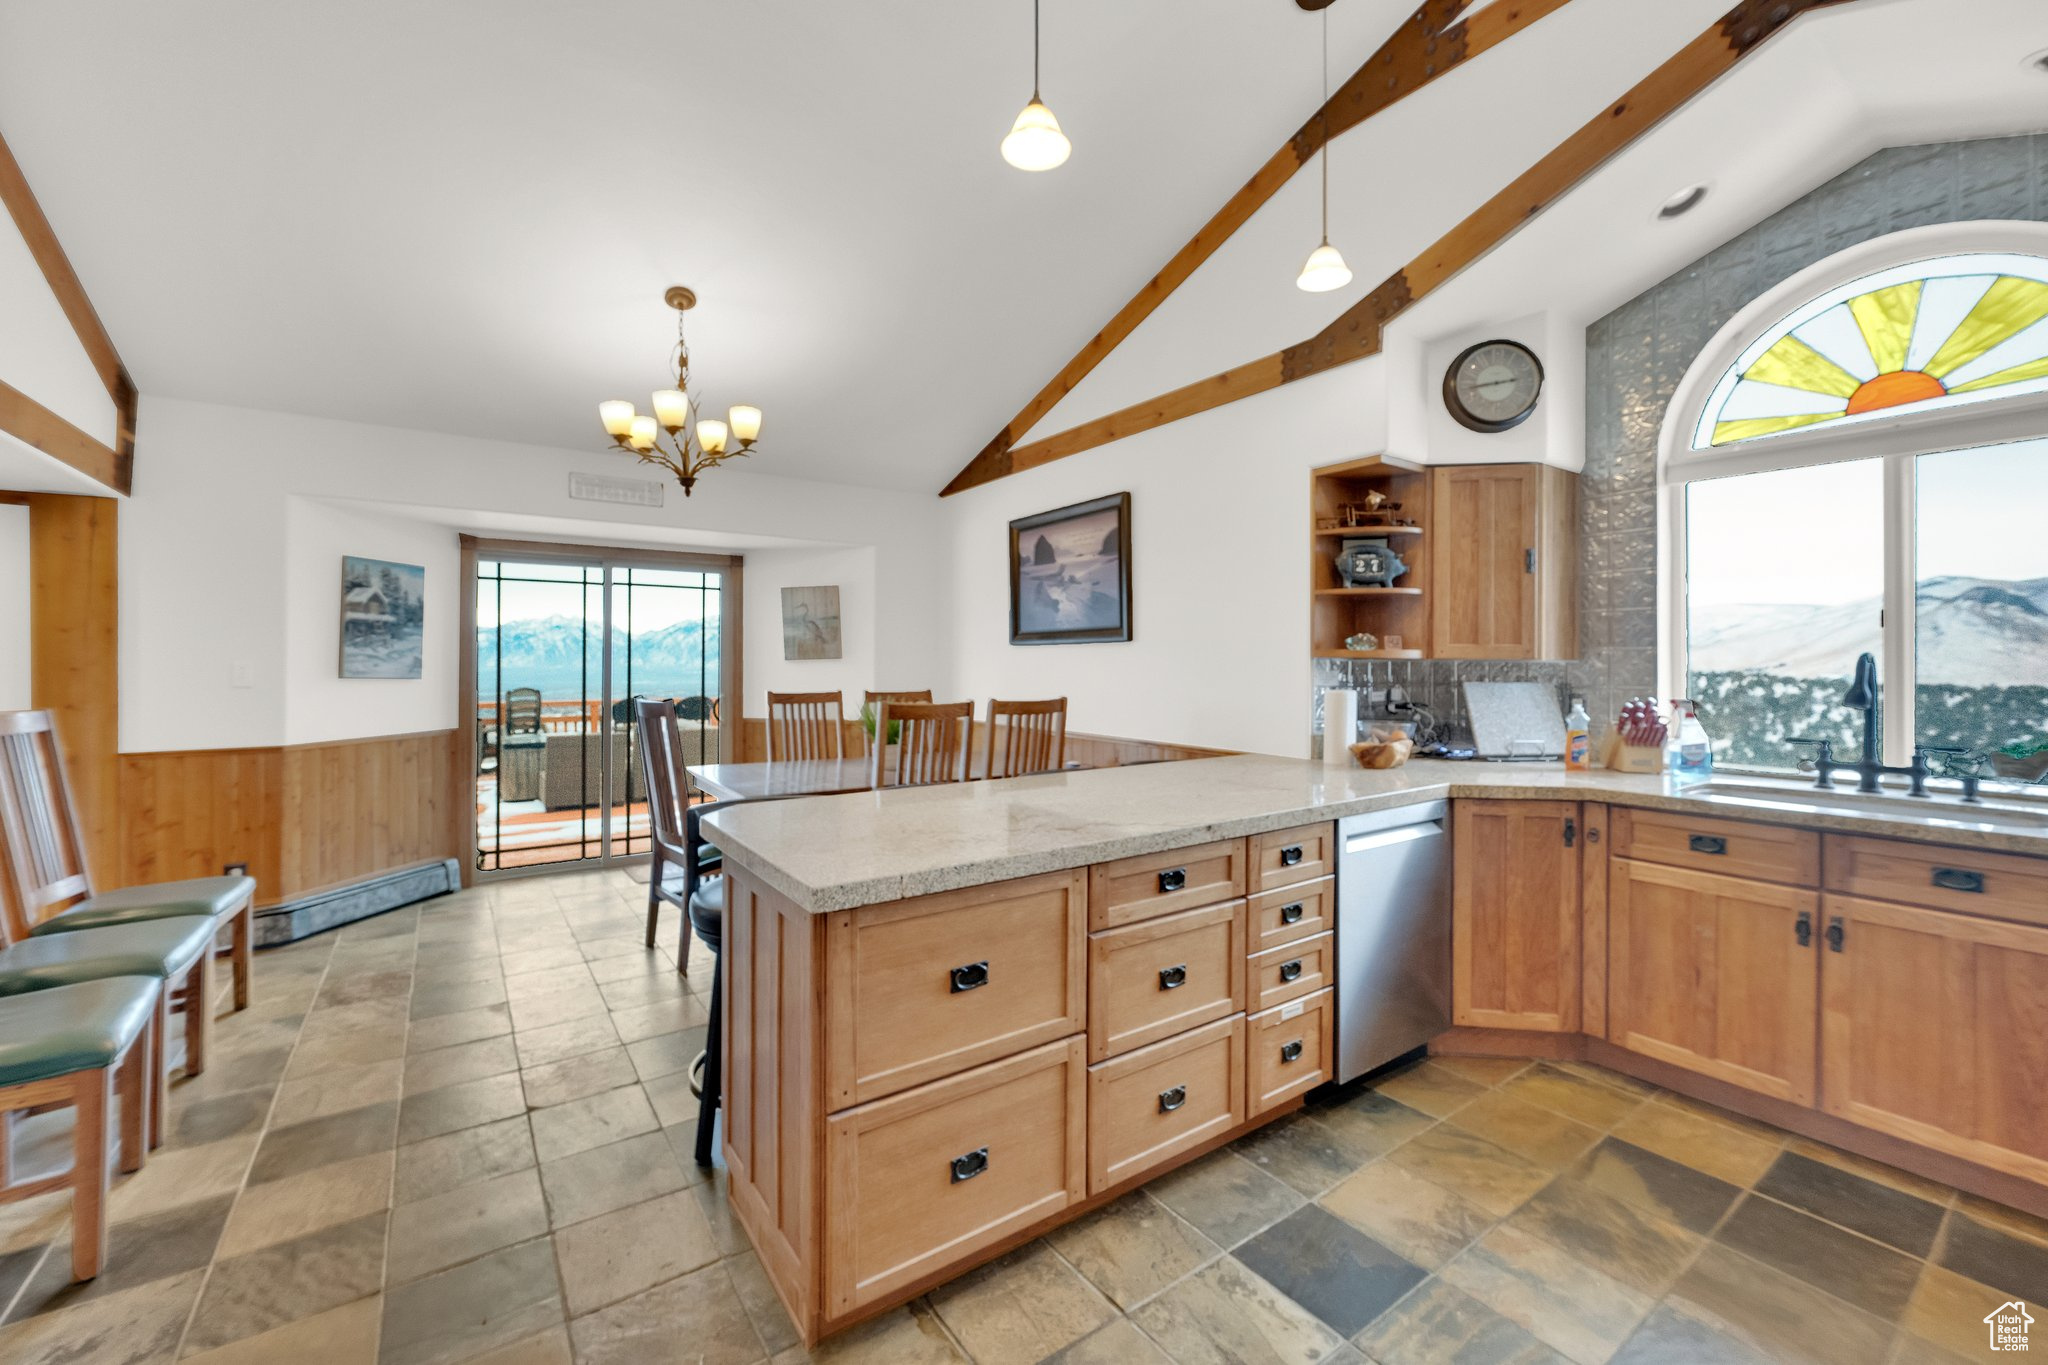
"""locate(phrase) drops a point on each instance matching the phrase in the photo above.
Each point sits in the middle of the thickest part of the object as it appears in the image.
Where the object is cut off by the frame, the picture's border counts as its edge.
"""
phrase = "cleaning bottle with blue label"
(1689, 753)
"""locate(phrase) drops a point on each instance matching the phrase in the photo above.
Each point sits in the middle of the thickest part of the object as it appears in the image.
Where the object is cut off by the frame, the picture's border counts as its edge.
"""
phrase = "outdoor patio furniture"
(520, 759)
(573, 771)
(522, 711)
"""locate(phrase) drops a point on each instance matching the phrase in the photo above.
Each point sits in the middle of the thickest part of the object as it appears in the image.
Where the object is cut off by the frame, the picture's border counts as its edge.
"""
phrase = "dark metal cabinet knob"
(973, 976)
(1707, 843)
(1172, 880)
(1803, 929)
(1172, 978)
(1291, 1052)
(1291, 914)
(1170, 1100)
(1836, 933)
(1291, 971)
(1290, 856)
(970, 1165)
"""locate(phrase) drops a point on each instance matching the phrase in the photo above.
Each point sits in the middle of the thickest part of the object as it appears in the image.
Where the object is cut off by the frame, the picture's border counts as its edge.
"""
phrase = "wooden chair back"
(871, 703)
(805, 725)
(661, 762)
(1026, 737)
(932, 747)
(40, 840)
(522, 711)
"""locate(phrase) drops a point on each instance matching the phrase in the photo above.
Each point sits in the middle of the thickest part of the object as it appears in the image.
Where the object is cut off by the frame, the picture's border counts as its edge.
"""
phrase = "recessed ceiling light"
(1683, 202)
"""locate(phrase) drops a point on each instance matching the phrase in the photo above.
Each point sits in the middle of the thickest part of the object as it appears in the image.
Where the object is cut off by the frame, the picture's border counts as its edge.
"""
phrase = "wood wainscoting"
(304, 817)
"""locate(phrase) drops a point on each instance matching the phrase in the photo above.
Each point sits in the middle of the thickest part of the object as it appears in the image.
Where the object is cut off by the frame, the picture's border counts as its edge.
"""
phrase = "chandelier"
(691, 447)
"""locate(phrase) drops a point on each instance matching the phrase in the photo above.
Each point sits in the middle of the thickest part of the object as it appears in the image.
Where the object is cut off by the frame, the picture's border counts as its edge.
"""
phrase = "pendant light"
(1324, 269)
(1035, 142)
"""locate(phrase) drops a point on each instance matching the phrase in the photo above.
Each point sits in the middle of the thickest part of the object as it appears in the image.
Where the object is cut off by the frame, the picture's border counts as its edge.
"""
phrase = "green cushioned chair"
(48, 886)
(85, 1045)
(176, 952)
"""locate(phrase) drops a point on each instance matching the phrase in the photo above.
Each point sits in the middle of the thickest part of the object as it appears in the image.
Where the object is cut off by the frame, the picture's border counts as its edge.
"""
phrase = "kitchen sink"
(1942, 809)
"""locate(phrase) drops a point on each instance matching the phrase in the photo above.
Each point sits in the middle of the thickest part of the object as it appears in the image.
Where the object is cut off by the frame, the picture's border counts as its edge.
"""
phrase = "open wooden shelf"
(1368, 592)
(1368, 654)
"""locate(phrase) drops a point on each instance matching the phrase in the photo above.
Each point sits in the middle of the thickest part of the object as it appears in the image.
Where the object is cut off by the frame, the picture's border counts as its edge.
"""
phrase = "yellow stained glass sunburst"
(1961, 328)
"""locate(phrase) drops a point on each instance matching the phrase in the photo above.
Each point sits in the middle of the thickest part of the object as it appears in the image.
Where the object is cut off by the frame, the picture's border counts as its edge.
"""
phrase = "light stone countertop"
(830, 853)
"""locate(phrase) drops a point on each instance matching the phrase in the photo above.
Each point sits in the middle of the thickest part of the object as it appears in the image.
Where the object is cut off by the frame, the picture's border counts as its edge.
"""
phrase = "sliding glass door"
(562, 644)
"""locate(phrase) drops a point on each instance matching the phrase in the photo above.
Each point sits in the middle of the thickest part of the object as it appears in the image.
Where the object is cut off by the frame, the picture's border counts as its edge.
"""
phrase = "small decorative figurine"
(1364, 642)
(1369, 564)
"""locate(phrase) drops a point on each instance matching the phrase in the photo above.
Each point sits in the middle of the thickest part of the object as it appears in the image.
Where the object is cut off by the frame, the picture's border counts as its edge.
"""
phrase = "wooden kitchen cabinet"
(1934, 1028)
(1504, 556)
(1715, 974)
(1515, 915)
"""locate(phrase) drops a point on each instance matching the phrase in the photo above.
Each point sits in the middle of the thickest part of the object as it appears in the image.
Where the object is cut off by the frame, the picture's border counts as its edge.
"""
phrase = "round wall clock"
(1493, 386)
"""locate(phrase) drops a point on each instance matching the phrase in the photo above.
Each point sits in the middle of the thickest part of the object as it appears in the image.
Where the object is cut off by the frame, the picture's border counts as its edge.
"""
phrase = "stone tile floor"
(461, 1133)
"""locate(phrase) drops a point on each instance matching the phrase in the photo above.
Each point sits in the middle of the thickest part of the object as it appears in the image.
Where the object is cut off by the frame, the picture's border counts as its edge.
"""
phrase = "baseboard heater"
(293, 920)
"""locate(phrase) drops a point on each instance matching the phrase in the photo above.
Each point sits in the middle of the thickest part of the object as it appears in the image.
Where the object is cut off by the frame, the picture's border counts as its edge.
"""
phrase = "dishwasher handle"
(1388, 838)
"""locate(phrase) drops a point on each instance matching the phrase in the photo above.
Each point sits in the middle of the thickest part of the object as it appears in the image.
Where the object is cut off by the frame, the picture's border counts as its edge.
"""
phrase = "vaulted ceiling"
(460, 216)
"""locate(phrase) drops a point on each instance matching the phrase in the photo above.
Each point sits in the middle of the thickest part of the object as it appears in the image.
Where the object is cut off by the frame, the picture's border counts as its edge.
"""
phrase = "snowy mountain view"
(563, 658)
(1763, 674)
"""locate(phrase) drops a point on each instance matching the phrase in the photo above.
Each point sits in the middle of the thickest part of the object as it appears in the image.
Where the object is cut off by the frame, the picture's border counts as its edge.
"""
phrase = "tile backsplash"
(1635, 357)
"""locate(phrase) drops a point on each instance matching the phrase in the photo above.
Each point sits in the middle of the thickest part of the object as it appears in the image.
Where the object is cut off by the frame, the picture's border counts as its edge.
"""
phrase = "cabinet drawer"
(2001, 885)
(921, 1180)
(1159, 1101)
(923, 988)
(1733, 848)
(1289, 1051)
(1152, 980)
(1291, 971)
(1132, 889)
(1291, 914)
(1286, 856)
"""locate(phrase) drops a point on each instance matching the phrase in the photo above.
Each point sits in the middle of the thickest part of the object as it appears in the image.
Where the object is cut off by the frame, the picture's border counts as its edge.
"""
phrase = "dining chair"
(661, 760)
(1026, 737)
(805, 725)
(933, 744)
(870, 709)
(45, 878)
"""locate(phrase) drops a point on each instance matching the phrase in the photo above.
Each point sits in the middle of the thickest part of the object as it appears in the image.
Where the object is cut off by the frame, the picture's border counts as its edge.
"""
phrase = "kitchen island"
(957, 1016)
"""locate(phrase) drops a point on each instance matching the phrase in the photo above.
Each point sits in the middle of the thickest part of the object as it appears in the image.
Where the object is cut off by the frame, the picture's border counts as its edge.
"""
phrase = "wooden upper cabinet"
(1934, 1028)
(1504, 546)
(1515, 915)
(1715, 974)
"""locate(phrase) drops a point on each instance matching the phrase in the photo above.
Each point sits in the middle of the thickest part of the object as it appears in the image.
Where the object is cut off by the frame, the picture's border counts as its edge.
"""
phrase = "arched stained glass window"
(1934, 333)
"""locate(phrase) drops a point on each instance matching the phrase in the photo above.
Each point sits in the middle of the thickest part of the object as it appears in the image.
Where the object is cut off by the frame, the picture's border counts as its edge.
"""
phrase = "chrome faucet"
(1862, 696)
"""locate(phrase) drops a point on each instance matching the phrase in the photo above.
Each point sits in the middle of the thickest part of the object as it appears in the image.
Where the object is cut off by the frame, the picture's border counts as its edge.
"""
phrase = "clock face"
(1493, 386)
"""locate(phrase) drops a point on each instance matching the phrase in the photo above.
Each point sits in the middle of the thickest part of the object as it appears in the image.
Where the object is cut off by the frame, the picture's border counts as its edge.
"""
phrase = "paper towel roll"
(1340, 726)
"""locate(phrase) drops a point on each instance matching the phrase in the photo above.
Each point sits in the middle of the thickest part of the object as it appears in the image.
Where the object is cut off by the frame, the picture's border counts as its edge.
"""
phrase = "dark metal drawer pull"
(1958, 879)
(971, 1165)
(1290, 856)
(1291, 971)
(1170, 1100)
(1836, 933)
(1173, 879)
(1291, 1052)
(1707, 843)
(1802, 929)
(1291, 914)
(1171, 978)
(973, 976)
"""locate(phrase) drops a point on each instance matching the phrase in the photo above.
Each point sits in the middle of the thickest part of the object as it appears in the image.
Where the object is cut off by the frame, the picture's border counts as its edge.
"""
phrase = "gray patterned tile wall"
(1635, 357)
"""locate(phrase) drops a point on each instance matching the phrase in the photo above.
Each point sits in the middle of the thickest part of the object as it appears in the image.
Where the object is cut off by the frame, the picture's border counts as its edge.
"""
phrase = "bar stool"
(707, 918)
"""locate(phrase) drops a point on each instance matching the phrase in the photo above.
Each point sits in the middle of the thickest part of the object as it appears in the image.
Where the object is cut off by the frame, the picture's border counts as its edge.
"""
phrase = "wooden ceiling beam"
(23, 417)
(1359, 330)
(1428, 44)
(85, 322)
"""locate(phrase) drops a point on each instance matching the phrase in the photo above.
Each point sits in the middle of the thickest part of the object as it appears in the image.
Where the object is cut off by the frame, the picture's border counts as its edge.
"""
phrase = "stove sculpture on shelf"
(1369, 564)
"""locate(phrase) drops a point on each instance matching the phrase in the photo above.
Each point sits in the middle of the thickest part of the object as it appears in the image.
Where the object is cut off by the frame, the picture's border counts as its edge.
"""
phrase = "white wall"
(228, 553)
(1219, 544)
(858, 668)
(14, 600)
(320, 704)
(39, 353)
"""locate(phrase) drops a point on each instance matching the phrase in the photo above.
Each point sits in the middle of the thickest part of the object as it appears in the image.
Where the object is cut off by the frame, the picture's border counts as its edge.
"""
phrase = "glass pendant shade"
(671, 408)
(1323, 271)
(746, 422)
(643, 432)
(711, 435)
(1035, 142)
(617, 416)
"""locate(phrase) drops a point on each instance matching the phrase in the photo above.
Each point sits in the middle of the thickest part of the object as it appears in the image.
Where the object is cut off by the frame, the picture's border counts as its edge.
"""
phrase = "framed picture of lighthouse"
(1070, 574)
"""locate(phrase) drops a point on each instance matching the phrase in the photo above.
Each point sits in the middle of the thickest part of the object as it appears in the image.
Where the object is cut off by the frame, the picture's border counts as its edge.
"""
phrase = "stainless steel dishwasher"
(1393, 934)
